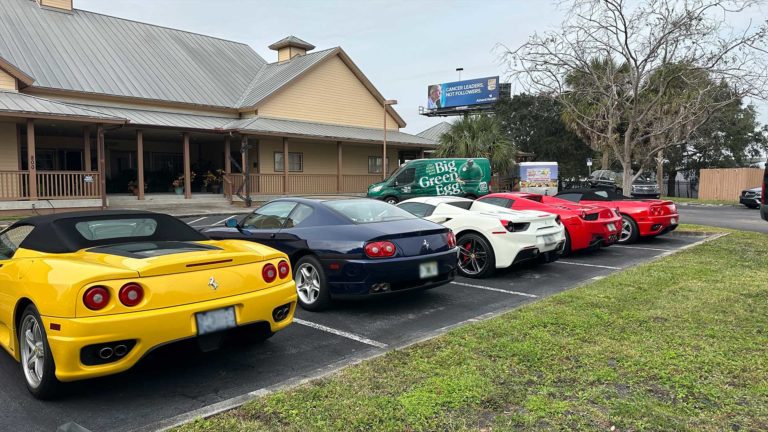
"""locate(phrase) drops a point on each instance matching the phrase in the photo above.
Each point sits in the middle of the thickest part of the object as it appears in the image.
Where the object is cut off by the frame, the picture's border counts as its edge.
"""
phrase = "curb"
(369, 354)
(690, 204)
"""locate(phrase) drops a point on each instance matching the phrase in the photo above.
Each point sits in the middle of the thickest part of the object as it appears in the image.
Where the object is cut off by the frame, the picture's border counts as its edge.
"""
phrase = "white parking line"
(587, 265)
(196, 220)
(341, 333)
(223, 220)
(642, 248)
(496, 289)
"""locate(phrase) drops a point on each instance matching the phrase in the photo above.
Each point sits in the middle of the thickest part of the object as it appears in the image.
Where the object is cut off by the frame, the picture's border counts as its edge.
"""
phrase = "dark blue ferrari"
(349, 247)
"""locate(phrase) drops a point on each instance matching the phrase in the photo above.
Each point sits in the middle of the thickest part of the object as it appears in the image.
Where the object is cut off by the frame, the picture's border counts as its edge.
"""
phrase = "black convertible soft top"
(592, 194)
(56, 233)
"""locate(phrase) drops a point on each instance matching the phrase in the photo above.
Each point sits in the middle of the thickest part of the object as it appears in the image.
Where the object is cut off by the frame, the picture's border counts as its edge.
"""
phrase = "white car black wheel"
(476, 257)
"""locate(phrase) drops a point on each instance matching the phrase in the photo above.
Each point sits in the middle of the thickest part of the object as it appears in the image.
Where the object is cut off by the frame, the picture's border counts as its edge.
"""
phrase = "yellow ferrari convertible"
(88, 294)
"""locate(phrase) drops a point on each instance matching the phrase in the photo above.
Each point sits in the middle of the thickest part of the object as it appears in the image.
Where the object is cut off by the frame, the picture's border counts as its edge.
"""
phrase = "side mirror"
(231, 223)
(396, 183)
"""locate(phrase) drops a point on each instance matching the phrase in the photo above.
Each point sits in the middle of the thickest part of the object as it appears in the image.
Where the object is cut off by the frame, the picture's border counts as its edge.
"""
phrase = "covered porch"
(80, 154)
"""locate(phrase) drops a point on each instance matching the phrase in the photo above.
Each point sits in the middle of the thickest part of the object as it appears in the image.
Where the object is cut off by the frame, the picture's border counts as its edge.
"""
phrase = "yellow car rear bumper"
(153, 328)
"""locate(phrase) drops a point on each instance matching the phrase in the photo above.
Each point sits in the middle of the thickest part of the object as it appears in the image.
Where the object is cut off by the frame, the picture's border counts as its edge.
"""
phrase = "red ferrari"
(640, 217)
(586, 226)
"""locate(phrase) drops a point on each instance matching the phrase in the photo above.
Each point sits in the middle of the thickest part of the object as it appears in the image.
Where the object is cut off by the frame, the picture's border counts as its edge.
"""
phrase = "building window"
(295, 162)
(374, 164)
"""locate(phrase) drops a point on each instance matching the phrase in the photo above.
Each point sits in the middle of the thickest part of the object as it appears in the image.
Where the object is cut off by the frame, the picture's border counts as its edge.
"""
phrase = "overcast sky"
(401, 45)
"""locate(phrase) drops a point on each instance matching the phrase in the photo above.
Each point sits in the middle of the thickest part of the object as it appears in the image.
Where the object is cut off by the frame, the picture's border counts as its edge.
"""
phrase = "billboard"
(479, 91)
(538, 177)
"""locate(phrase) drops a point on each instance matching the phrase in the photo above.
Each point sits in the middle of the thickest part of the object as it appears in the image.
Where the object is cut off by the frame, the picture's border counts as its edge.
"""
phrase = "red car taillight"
(283, 269)
(656, 211)
(451, 240)
(380, 249)
(131, 294)
(96, 298)
(269, 273)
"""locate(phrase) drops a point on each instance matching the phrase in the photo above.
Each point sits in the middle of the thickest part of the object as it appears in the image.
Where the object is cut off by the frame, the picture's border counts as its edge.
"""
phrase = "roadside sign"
(589, 161)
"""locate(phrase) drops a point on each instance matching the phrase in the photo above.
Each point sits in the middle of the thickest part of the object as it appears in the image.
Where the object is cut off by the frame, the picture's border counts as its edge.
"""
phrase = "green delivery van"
(435, 177)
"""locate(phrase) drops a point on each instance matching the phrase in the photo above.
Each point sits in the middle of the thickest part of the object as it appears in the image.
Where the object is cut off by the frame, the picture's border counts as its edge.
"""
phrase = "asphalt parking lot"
(179, 381)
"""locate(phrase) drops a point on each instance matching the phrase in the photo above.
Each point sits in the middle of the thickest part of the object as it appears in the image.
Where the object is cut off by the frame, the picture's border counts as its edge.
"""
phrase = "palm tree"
(478, 136)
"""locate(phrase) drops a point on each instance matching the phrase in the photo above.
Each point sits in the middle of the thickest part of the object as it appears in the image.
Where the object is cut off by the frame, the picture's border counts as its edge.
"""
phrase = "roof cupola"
(290, 47)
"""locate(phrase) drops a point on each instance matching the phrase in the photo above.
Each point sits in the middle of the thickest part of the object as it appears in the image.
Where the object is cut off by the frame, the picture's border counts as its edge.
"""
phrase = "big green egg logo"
(443, 176)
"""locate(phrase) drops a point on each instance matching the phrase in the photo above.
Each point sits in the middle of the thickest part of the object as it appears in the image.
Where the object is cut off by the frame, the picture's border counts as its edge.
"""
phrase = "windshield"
(395, 173)
(368, 210)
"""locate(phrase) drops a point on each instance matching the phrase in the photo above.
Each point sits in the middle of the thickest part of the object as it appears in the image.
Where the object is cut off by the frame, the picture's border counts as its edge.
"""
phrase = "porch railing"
(14, 185)
(358, 183)
(299, 184)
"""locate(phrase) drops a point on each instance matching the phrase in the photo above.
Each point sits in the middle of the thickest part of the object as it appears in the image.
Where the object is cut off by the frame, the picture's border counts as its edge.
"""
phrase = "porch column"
(100, 153)
(87, 149)
(422, 154)
(285, 166)
(244, 151)
(31, 160)
(140, 161)
(339, 167)
(227, 152)
(187, 168)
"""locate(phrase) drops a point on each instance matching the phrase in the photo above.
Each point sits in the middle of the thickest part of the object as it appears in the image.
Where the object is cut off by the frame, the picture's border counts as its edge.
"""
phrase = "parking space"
(180, 380)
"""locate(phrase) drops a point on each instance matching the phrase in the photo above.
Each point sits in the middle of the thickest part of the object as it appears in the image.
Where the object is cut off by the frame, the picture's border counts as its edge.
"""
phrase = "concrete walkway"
(199, 204)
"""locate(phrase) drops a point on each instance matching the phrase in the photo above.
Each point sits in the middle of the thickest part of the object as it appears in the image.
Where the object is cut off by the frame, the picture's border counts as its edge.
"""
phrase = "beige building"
(93, 105)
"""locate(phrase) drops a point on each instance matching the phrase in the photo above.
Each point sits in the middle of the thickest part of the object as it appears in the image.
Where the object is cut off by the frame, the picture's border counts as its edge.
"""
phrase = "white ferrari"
(491, 237)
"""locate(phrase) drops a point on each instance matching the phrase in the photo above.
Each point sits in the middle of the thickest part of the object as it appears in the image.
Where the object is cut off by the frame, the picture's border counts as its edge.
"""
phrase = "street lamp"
(384, 159)
(459, 69)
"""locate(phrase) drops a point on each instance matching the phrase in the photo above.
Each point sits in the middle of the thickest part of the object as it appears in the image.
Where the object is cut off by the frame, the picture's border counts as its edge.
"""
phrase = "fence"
(14, 185)
(727, 184)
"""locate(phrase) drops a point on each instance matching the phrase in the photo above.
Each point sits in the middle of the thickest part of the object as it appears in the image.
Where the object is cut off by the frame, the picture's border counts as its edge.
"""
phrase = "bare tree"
(618, 70)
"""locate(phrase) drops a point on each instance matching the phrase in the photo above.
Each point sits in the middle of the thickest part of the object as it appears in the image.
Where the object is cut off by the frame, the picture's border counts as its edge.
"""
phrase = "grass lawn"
(677, 344)
(698, 201)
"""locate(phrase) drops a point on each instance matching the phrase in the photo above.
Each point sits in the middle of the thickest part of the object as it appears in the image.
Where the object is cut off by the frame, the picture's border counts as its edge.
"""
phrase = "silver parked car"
(751, 197)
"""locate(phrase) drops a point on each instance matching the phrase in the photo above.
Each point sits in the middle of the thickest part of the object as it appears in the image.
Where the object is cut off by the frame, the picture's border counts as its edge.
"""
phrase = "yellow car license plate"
(215, 320)
(428, 270)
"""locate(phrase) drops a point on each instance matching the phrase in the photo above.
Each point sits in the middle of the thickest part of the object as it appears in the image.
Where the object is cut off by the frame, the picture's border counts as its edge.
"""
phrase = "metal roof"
(435, 131)
(267, 125)
(139, 117)
(93, 53)
(273, 76)
(35, 107)
(291, 41)
(87, 52)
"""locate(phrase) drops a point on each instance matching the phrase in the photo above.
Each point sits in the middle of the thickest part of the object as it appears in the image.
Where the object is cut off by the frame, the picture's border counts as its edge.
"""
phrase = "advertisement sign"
(463, 93)
(538, 177)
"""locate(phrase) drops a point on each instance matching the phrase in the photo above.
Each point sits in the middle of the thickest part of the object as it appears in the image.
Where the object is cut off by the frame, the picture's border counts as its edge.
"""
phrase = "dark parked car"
(751, 197)
(764, 200)
(349, 247)
(643, 187)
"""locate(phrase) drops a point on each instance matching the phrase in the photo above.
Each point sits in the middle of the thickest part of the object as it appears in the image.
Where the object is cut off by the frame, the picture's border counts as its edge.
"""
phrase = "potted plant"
(133, 187)
(178, 184)
(212, 179)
